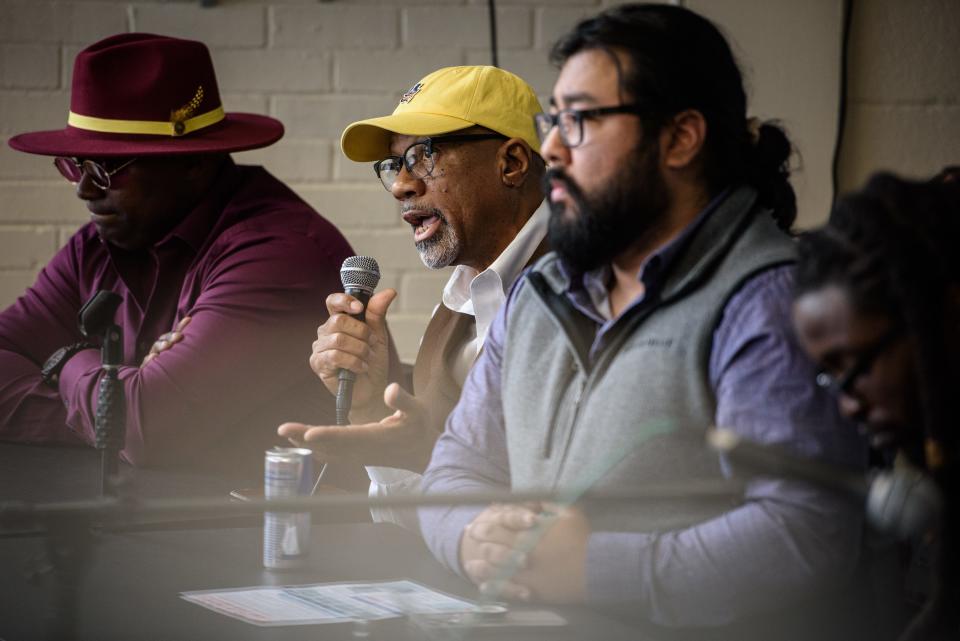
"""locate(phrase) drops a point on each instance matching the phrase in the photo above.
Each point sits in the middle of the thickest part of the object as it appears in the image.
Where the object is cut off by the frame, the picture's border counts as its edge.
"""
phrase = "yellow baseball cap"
(447, 100)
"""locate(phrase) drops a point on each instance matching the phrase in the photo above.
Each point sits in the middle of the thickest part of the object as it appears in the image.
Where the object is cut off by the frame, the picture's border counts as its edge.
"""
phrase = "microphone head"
(360, 272)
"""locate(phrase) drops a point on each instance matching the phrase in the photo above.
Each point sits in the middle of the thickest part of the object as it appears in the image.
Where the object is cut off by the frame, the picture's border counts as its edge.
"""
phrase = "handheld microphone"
(359, 275)
(902, 501)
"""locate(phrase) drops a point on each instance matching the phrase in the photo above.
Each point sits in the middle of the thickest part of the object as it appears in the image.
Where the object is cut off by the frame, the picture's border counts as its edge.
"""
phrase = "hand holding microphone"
(352, 356)
(354, 339)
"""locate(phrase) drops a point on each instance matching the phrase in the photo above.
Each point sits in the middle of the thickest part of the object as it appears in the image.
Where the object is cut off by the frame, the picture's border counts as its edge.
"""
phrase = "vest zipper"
(569, 423)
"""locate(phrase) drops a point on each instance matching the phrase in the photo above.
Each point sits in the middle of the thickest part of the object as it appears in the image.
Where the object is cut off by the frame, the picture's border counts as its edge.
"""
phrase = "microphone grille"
(360, 272)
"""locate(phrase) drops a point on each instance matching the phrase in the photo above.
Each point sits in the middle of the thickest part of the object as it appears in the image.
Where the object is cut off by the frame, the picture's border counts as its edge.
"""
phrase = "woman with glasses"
(878, 307)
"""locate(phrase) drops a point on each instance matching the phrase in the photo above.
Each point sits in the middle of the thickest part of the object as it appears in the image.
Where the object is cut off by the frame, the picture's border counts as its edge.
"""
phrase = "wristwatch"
(50, 372)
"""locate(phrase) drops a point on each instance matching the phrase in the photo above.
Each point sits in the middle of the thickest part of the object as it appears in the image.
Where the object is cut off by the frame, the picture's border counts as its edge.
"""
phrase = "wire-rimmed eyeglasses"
(73, 170)
(419, 158)
(843, 383)
(570, 121)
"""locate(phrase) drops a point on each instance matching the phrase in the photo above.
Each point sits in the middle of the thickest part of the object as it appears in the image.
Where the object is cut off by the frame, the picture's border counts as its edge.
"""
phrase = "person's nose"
(851, 406)
(407, 185)
(553, 151)
(86, 189)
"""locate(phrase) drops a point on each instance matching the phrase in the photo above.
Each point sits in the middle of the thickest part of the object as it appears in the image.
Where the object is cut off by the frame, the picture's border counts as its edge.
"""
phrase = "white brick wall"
(466, 27)
(272, 70)
(336, 26)
(389, 71)
(61, 22)
(29, 110)
(795, 80)
(294, 160)
(317, 66)
(29, 66)
(39, 202)
(221, 26)
(27, 247)
(904, 96)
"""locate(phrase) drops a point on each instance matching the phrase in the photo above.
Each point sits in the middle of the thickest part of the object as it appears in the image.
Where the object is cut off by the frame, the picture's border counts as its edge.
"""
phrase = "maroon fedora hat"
(138, 94)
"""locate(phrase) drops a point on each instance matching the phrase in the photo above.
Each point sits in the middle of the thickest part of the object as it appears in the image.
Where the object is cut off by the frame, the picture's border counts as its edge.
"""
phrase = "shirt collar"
(196, 226)
(481, 294)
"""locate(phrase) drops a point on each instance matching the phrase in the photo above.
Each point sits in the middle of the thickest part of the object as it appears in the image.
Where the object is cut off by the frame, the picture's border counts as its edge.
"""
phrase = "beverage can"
(287, 472)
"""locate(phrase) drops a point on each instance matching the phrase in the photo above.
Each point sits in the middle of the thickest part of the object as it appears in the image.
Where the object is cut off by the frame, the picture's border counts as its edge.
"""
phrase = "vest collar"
(701, 251)
(711, 242)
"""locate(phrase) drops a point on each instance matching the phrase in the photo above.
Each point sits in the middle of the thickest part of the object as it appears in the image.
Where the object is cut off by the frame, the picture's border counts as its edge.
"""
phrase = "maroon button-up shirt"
(251, 265)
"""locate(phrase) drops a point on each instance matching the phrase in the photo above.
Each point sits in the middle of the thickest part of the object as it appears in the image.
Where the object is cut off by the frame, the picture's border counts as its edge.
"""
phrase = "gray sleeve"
(471, 454)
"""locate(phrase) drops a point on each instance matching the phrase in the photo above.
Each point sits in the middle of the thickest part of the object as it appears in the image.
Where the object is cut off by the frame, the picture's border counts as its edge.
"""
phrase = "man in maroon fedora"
(221, 269)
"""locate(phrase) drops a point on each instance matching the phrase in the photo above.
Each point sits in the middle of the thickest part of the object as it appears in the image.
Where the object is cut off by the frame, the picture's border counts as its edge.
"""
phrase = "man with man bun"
(663, 310)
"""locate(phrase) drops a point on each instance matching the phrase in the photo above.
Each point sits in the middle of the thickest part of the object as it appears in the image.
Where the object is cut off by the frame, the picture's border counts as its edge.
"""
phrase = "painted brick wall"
(319, 65)
(904, 89)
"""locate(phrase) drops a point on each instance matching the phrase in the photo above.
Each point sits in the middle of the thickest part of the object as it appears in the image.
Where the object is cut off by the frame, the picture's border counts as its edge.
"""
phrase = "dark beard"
(619, 215)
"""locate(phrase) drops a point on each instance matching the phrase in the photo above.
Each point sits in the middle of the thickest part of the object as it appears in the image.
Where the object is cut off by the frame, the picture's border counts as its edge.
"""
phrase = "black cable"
(842, 106)
(493, 31)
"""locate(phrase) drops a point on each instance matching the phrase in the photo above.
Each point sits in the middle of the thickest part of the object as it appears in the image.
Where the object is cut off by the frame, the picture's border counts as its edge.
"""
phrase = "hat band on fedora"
(146, 127)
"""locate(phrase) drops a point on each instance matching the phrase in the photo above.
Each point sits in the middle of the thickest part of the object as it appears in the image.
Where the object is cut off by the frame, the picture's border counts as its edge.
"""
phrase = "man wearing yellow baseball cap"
(461, 155)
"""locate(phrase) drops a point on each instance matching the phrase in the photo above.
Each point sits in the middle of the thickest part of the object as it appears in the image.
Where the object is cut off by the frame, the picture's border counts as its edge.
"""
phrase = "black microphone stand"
(96, 320)
(70, 540)
(111, 410)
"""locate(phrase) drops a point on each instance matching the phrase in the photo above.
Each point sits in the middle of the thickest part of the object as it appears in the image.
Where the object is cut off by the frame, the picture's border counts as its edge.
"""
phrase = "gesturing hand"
(343, 342)
(404, 439)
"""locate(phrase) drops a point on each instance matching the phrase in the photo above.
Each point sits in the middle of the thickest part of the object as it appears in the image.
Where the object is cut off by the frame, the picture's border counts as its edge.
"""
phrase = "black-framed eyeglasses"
(570, 121)
(419, 158)
(843, 383)
(73, 170)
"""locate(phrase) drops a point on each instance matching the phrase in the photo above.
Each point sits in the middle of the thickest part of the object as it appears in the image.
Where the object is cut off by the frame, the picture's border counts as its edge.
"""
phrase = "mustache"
(556, 174)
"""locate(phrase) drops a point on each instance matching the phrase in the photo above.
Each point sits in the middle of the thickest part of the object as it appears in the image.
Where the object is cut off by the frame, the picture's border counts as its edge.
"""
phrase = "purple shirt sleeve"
(786, 539)
(471, 454)
(244, 346)
(243, 349)
(41, 321)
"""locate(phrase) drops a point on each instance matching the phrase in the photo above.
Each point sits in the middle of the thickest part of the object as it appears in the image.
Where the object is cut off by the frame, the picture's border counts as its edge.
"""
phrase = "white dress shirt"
(479, 294)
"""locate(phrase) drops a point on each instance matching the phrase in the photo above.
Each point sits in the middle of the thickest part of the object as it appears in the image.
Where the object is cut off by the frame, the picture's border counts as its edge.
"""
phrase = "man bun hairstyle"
(679, 60)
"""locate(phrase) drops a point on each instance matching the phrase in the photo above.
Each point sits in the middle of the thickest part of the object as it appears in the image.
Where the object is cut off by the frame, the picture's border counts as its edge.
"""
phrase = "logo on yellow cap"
(411, 92)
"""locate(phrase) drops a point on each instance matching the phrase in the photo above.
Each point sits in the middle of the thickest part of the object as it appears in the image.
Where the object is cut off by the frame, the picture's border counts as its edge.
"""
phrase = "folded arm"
(242, 350)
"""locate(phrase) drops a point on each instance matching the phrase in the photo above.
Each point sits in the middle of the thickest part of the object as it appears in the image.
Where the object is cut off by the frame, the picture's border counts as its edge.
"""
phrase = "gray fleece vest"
(639, 413)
